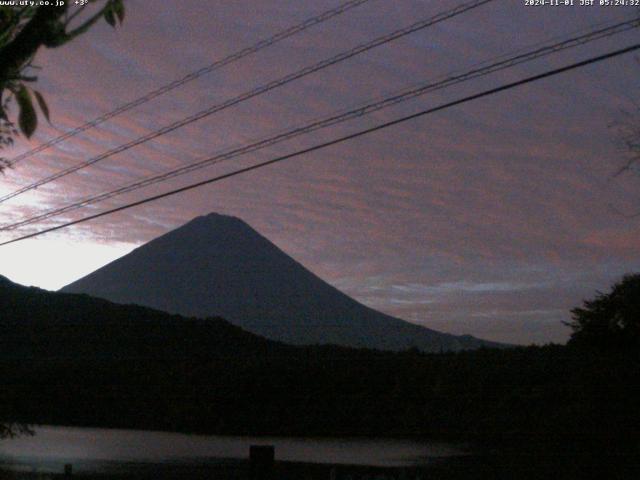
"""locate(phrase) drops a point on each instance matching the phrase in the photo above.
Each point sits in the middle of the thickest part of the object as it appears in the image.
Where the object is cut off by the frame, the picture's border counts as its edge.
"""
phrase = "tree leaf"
(27, 118)
(110, 17)
(43, 105)
(118, 8)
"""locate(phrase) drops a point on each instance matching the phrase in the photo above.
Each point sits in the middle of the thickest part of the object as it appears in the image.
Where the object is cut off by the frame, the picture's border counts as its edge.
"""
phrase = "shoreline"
(461, 467)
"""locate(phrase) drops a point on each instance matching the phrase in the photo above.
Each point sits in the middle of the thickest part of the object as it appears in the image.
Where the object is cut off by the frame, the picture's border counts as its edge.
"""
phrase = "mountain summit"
(217, 265)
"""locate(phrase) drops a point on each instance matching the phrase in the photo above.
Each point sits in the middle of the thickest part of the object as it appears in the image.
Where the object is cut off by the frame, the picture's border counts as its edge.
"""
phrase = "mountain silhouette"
(217, 265)
(36, 325)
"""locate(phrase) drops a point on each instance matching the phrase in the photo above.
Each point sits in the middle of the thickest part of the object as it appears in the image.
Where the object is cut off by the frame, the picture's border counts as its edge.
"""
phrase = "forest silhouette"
(72, 359)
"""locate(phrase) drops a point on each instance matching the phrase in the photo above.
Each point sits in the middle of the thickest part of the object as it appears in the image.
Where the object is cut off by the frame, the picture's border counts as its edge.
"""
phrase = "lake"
(102, 450)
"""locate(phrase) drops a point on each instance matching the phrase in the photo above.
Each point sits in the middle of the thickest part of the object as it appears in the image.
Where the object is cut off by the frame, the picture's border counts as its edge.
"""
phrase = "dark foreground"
(115, 366)
(521, 467)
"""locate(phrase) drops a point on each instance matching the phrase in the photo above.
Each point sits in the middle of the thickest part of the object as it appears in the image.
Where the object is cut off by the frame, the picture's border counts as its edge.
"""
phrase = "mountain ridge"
(217, 265)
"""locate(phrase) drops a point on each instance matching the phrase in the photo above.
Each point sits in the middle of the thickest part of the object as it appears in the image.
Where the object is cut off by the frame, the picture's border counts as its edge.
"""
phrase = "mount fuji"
(217, 265)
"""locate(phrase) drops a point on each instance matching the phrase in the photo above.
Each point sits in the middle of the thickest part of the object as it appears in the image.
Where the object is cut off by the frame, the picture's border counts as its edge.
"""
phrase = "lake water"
(99, 450)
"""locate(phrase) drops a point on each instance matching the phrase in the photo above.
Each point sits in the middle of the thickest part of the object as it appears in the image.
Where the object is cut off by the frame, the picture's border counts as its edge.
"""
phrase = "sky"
(492, 218)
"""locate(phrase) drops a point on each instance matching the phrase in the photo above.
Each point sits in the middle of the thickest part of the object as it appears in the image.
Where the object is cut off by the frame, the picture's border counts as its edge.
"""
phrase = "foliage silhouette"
(610, 320)
(24, 29)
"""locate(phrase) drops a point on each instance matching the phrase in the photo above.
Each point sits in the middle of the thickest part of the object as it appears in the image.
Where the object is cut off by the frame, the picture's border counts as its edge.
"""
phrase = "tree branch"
(40, 30)
(82, 28)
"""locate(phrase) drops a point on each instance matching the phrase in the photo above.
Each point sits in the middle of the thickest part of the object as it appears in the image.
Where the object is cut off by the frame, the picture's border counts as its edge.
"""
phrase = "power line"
(320, 146)
(264, 43)
(405, 95)
(255, 92)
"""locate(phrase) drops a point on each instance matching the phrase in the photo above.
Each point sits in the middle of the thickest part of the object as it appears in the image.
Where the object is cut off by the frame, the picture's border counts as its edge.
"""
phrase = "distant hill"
(218, 265)
(36, 324)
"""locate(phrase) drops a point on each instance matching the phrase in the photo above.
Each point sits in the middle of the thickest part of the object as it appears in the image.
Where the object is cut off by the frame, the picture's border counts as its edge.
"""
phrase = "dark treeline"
(75, 360)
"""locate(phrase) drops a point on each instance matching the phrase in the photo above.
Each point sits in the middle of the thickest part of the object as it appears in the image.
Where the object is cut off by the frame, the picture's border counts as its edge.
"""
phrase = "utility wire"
(505, 63)
(264, 43)
(336, 141)
(258, 91)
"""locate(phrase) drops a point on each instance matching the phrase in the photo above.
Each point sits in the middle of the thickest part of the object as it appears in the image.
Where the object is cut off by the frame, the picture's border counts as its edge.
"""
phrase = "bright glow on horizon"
(53, 263)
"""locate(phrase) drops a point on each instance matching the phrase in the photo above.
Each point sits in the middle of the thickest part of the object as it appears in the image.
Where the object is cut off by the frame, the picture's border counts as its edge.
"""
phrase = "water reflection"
(102, 449)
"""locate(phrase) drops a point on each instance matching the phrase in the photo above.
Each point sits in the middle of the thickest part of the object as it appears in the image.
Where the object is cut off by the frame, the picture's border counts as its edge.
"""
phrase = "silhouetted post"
(68, 470)
(261, 458)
